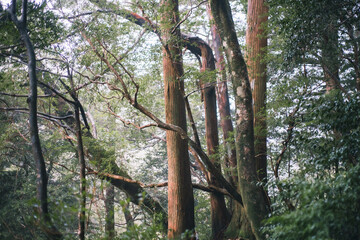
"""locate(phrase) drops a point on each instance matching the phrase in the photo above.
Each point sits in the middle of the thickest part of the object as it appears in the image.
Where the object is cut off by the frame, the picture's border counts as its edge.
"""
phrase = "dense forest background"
(180, 119)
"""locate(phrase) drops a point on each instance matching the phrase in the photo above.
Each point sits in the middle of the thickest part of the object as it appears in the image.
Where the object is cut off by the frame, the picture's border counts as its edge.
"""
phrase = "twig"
(186, 16)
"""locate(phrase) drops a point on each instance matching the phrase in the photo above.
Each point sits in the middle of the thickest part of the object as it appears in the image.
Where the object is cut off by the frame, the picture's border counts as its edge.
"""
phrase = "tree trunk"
(224, 104)
(180, 192)
(41, 180)
(254, 202)
(239, 225)
(219, 213)
(110, 212)
(256, 43)
(81, 157)
(330, 59)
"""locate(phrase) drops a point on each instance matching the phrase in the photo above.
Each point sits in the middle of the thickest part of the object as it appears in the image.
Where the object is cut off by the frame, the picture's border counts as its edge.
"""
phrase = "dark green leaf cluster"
(43, 27)
(327, 209)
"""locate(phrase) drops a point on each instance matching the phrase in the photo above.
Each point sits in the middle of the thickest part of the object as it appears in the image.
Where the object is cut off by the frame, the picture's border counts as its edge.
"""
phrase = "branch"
(209, 188)
(24, 96)
(191, 43)
(128, 122)
(187, 16)
(43, 115)
(56, 92)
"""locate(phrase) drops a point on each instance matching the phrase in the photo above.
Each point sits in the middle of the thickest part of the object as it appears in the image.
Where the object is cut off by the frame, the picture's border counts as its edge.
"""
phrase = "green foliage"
(336, 119)
(324, 183)
(44, 29)
(143, 231)
(16, 214)
(202, 215)
(319, 173)
(327, 209)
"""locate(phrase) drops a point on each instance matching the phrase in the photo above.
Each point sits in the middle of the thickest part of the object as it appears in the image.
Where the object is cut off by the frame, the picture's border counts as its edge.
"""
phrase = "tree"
(42, 179)
(256, 43)
(316, 89)
(254, 202)
(180, 194)
(239, 224)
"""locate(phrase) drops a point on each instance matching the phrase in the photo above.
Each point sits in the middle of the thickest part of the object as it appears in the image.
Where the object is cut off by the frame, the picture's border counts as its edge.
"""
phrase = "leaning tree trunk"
(256, 43)
(42, 180)
(180, 192)
(254, 202)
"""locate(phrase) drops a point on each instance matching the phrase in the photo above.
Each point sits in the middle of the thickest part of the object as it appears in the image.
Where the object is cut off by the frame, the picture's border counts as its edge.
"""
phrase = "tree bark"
(42, 180)
(191, 44)
(254, 203)
(224, 104)
(180, 192)
(256, 43)
(239, 225)
(219, 213)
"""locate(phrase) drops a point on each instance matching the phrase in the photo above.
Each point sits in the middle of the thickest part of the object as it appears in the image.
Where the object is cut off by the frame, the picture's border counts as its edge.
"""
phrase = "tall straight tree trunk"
(252, 195)
(239, 225)
(180, 192)
(42, 178)
(256, 43)
(219, 213)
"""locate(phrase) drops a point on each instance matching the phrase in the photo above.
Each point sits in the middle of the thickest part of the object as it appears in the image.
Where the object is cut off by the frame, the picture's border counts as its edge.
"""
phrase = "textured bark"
(239, 224)
(110, 212)
(224, 106)
(81, 157)
(254, 202)
(256, 43)
(41, 180)
(180, 192)
(219, 213)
